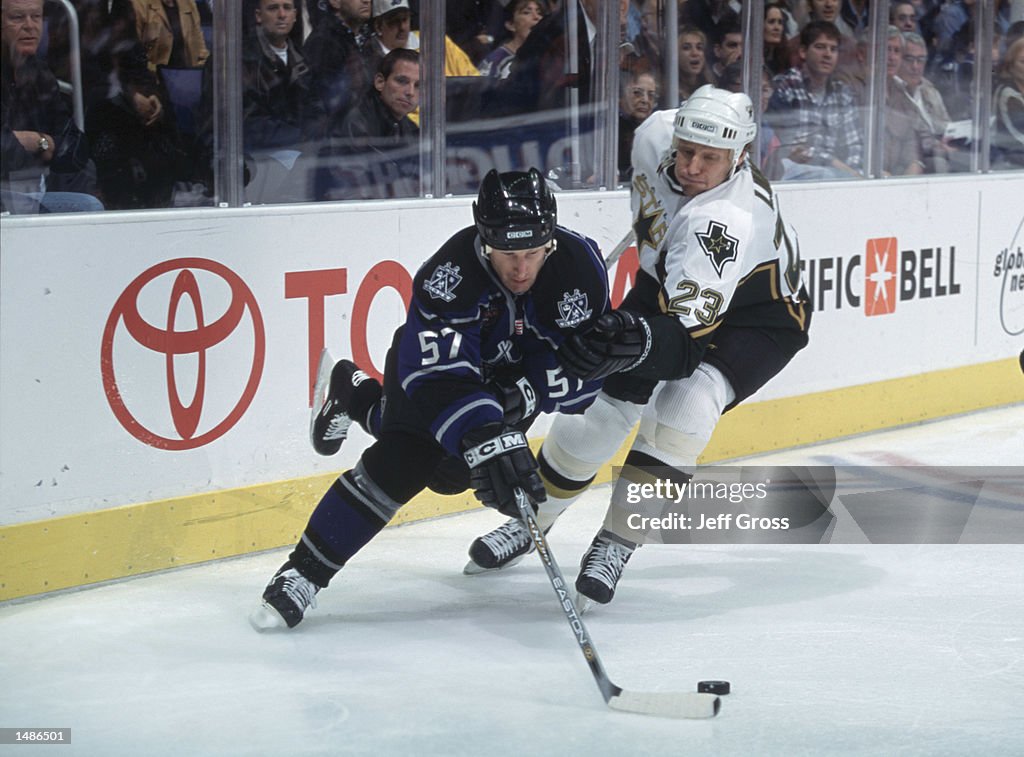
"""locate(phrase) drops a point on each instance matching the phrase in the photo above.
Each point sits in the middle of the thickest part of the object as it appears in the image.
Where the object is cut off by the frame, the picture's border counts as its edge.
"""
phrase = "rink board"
(155, 368)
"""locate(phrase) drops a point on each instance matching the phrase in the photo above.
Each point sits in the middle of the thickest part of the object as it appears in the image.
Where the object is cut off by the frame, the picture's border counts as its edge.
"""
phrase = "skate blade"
(472, 569)
(583, 604)
(266, 618)
(323, 381)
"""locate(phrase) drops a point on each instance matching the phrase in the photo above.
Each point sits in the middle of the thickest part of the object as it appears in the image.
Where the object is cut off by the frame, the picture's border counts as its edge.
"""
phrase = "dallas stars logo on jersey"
(574, 309)
(650, 225)
(718, 245)
(442, 282)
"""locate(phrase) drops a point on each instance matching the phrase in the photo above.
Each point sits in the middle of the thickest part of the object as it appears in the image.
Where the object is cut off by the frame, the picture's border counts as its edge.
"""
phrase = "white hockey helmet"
(717, 118)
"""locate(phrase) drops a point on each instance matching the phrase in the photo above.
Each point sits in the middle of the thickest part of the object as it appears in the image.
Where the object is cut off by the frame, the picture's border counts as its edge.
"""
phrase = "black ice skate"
(601, 568)
(501, 548)
(285, 600)
(345, 393)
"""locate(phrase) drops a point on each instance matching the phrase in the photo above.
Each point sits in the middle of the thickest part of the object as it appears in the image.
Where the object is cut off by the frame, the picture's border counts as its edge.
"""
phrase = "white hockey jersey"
(723, 255)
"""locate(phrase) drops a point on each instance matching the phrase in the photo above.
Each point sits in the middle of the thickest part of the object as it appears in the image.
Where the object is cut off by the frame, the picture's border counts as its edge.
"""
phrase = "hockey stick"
(667, 704)
(620, 248)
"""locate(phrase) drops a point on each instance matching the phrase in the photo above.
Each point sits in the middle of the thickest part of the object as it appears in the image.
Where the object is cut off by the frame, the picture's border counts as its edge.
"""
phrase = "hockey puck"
(1022, 361)
(713, 687)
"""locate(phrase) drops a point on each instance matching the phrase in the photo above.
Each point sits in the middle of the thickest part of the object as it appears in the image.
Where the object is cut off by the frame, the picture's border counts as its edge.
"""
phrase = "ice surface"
(834, 649)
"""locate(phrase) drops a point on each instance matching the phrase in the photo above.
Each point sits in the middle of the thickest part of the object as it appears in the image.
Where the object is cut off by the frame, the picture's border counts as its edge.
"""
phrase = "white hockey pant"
(678, 422)
(578, 445)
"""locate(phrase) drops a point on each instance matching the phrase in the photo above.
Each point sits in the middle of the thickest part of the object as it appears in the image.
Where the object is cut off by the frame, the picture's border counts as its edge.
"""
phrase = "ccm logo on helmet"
(702, 126)
(520, 234)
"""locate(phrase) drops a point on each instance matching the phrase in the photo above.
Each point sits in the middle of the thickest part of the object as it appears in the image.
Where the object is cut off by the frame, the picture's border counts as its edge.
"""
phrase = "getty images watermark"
(820, 504)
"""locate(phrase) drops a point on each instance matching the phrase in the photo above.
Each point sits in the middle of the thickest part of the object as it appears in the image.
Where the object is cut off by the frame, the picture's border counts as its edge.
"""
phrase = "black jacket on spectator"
(281, 106)
(372, 155)
(538, 79)
(108, 42)
(341, 63)
(136, 165)
(30, 100)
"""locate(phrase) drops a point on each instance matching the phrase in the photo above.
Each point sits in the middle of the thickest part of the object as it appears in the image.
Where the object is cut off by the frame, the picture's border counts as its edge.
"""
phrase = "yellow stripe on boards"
(85, 548)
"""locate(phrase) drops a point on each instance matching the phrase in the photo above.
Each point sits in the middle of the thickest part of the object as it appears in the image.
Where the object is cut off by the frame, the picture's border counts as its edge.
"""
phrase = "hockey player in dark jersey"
(718, 309)
(466, 374)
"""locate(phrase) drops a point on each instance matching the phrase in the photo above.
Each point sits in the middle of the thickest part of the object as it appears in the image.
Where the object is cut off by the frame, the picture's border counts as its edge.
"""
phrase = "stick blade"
(667, 704)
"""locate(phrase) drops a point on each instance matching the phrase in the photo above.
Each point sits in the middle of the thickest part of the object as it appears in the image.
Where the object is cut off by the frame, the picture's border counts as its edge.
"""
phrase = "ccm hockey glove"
(499, 460)
(618, 341)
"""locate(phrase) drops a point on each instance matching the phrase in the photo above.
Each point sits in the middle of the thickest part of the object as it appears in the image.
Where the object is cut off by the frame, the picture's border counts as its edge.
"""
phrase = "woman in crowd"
(520, 18)
(693, 62)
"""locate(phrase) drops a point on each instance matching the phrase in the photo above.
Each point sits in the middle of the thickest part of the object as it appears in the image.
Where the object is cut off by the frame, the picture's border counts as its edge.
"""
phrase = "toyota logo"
(179, 329)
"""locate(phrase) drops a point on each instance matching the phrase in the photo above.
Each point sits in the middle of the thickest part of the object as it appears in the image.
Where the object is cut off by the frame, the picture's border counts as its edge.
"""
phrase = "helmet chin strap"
(738, 157)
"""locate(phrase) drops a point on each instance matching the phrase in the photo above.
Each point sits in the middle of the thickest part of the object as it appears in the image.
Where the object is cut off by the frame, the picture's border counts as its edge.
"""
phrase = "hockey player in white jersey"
(717, 310)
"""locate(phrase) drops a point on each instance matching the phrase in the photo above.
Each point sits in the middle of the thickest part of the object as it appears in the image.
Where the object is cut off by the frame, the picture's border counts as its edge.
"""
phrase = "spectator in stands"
(138, 152)
(831, 10)
(856, 15)
(929, 106)
(469, 23)
(171, 33)
(776, 44)
(693, 62)
(814, 113)
(339, 54)
(728, 44)
(1014, 32)
(35, 120)
(106, 34)
(638, 99)
(520, 18)
(903, 16)
(543, 75)
(281, 107)
(392, 22)
(1008, 108)
(374, 152)
(901, 154)
(707, 14)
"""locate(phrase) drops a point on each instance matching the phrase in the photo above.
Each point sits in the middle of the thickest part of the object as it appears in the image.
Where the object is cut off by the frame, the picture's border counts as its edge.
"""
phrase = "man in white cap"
(392, 29)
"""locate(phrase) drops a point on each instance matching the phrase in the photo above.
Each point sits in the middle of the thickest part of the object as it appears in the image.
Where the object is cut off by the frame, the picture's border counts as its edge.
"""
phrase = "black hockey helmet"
(515, 210)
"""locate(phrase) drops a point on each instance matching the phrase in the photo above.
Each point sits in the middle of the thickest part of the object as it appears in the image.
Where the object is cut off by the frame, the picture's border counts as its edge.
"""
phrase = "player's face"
(518, 269)
(22, 25)
(276, 18)
(394, 29)
(400, 91)
(700, 168)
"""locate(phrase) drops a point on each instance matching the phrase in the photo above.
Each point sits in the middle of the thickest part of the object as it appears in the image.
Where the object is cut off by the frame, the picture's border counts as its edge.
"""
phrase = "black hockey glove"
(617, 341)
(517, 398)
(499, 460)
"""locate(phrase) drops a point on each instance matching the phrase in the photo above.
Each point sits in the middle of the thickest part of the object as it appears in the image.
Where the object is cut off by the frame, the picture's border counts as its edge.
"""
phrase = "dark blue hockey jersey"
(464, 328)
